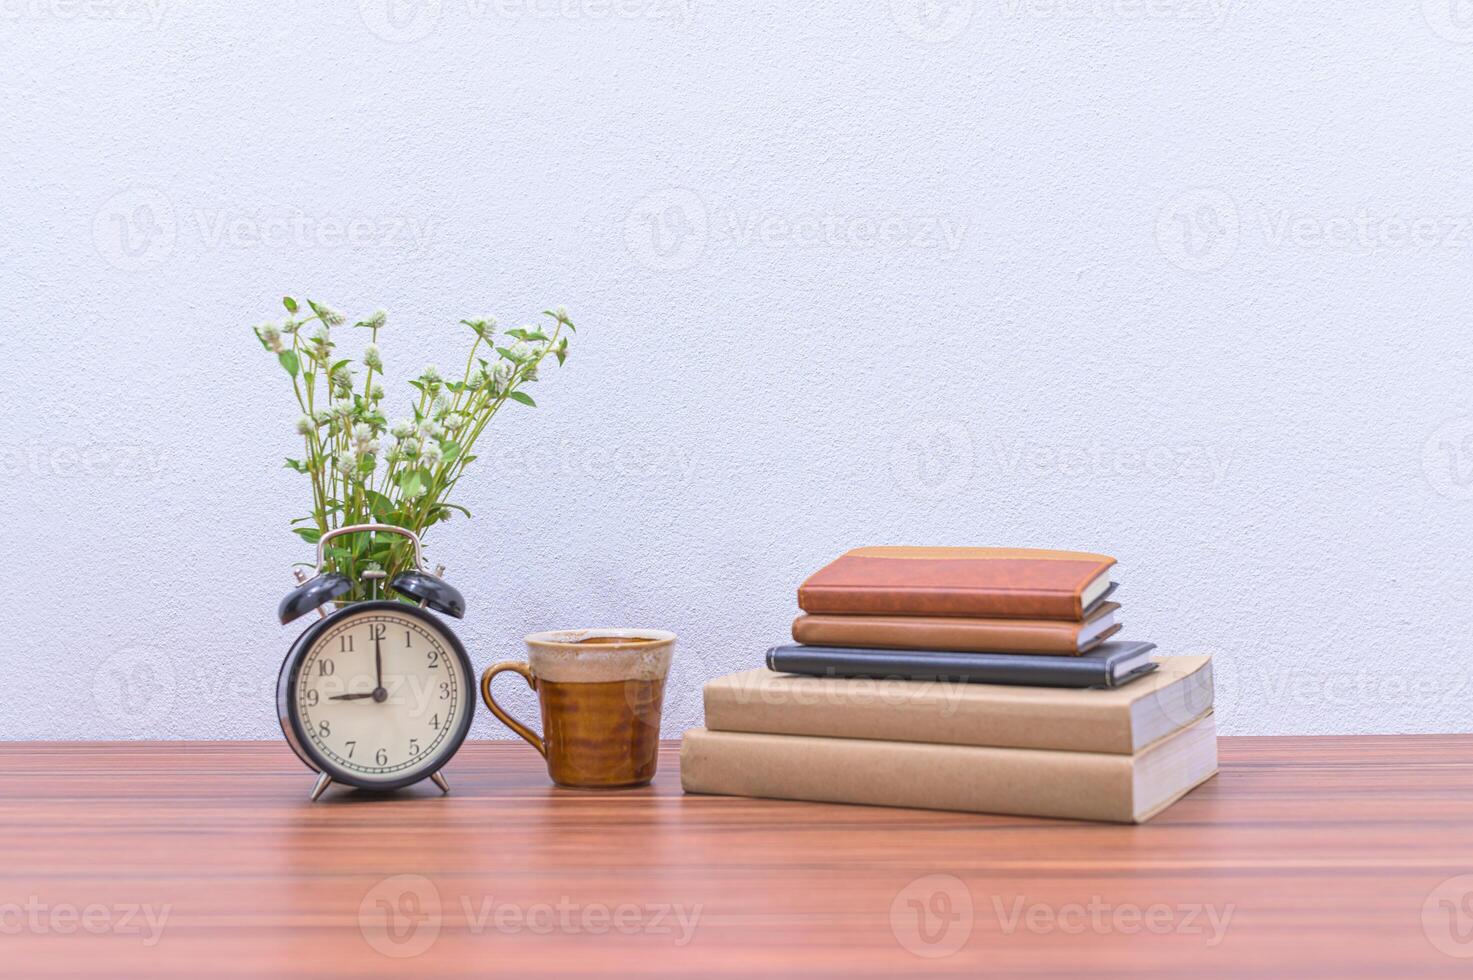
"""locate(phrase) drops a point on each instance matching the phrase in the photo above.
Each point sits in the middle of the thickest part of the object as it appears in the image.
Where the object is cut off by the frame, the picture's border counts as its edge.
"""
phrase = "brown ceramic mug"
(600, 691)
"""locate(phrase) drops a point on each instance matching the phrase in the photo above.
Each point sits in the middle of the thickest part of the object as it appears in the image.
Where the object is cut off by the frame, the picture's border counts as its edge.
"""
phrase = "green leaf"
(288, 359)
(450, 449)
(457, 507)
(411, 484)
(535, 335)
(521, 396)
(289, 303)
(296, 464)
(264, 345)
(506, 353)
(311, 535)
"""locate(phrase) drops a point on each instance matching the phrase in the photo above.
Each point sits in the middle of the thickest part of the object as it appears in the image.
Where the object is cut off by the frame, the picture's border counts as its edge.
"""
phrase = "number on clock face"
(379, 694)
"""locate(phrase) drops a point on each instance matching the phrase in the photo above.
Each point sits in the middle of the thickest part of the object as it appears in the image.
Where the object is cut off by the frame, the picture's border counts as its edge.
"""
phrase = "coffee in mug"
(601, 692)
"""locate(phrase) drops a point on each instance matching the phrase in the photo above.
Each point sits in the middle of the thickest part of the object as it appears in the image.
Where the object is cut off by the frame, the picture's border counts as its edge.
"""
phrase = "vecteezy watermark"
(1201, 229)
(934, 460)
(566, 917)
(932, 21)
(932, 917)
(1183, 462)
(400, 21)
(677, 11)
(940, 459)
(807, 692)
(1447, 917)
(408, 21)
(137, 689)
(38, 918)
(150, 12)
(1299, 691)
(638, 464)
(666, 230)
(402, 916)
(1447, 459)
(1365, 230)
(1211, 12)
(140, 228)
(135, 229)
(670, 229)
(1451, 20)
(134, 689)
(1102, 917)
(85, 457)
(1198, 229)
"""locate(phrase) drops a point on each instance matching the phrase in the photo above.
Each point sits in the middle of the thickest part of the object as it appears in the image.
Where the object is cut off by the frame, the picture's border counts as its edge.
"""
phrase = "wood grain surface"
(1331, 857)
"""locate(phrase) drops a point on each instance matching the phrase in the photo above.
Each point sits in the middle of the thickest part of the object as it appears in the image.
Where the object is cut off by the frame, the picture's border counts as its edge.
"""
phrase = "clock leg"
(323, 782)
(439, 780)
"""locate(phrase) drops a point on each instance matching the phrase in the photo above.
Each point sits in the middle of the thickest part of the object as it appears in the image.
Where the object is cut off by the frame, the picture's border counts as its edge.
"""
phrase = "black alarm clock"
(376, 694)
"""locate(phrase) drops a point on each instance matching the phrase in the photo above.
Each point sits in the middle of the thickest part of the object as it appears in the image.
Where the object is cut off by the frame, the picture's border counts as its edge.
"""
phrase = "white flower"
(561, 313)
(530, 373)
(429, 428)
(402, 429)
(375, 391)
(377, 320)
(331, 317)
(433, 455)
(342, 380)
(455, 421)
(347, 461)
(305, 426)
(362, 432)
(431, 375)
(501, 374)
(442, 404)
(270, 334)
(372, 358)
(343, 408)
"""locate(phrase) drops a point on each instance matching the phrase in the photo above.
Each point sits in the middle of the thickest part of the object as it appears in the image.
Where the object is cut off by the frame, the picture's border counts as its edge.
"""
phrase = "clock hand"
(379, 694)
(351, 697)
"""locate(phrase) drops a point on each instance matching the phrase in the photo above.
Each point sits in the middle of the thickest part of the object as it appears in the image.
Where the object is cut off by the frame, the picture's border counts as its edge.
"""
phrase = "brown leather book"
(1004, 583)
(1049, 636)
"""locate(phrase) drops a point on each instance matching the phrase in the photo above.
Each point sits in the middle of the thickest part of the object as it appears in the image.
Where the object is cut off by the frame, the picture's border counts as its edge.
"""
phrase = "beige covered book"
(1120, 720)
(1030, 782)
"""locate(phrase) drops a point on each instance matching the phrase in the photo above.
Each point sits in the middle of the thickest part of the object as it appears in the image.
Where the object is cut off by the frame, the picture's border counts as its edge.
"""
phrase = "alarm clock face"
(377, 695)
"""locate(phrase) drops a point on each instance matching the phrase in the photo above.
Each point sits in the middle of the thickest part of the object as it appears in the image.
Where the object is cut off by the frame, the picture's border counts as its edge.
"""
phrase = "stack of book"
(961, 678)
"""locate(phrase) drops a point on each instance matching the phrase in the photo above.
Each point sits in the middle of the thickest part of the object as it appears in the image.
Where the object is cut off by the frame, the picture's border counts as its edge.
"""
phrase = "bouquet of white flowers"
(364, 469)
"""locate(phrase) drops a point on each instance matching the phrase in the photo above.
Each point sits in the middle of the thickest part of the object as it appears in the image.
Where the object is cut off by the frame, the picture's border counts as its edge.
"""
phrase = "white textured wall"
(1187, 281)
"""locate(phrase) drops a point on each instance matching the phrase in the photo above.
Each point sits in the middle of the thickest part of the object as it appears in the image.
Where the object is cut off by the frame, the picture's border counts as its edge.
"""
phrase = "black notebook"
(1108, 665)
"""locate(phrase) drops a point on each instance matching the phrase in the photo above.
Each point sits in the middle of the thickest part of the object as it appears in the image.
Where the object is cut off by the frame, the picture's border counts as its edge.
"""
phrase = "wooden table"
(1331, 857)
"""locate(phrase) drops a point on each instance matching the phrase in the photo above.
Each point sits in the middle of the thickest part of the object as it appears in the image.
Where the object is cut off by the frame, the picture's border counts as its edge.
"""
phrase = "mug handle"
(497, 710)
